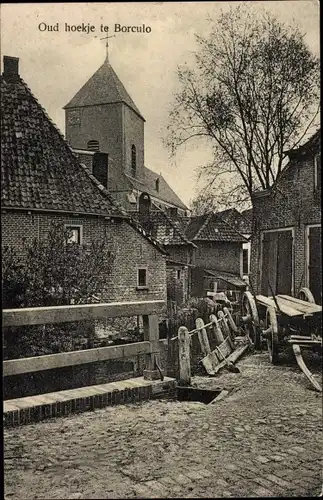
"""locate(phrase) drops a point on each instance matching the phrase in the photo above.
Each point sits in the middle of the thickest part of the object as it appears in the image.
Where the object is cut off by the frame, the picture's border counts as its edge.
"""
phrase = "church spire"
(107, 46)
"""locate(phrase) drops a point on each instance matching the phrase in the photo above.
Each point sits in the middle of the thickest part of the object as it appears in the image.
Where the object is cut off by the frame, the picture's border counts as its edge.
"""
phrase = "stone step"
(57, 404)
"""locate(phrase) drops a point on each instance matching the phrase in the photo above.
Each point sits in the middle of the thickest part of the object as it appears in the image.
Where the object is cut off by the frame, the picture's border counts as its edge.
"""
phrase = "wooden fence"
(216, 341)
(149, 311)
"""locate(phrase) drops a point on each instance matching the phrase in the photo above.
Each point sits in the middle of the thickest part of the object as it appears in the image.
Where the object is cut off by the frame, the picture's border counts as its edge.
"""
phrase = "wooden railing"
(149, 311)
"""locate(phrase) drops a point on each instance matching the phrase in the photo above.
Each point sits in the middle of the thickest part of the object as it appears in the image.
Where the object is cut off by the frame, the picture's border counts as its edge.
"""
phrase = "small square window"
(75, 234)
(142, 277)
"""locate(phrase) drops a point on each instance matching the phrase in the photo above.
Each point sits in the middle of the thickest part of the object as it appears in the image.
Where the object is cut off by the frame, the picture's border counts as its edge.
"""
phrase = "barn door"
(315, 263)
(277, 261)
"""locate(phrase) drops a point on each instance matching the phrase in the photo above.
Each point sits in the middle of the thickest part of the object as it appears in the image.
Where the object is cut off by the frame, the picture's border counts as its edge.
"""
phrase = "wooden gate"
(314, 262)
(277, 262)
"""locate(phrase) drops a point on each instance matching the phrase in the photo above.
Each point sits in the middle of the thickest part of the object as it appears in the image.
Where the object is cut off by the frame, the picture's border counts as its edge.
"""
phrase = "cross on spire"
(107, 46)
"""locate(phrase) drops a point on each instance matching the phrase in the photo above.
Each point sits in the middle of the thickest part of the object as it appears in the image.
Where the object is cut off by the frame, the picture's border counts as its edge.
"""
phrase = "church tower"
(103, 117)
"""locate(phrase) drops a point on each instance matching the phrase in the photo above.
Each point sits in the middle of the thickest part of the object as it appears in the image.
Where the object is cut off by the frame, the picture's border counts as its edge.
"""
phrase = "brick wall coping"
(55, 404)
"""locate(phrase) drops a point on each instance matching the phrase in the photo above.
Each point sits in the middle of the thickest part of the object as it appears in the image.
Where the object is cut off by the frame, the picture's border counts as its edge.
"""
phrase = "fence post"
(203, 338)
(217, 330)
(151, 333)
(184, 341)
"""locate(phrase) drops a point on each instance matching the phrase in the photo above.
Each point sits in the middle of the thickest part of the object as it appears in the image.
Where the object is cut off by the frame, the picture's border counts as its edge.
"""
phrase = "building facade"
(44, 182)
(102, 117)
(286, 241)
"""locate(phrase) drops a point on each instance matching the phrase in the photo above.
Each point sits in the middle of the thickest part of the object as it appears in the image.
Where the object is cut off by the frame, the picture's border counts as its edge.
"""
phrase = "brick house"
(43, 181)
(286, 241)
(102, 117)
(180, 251)
(219, 255)
(242, 222)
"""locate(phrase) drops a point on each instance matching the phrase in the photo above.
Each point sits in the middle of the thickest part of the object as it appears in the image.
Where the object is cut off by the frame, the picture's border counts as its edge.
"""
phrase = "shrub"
(53, 271)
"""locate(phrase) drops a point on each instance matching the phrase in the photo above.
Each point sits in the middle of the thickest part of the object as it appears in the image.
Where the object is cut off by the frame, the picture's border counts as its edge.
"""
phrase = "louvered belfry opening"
(93, 145)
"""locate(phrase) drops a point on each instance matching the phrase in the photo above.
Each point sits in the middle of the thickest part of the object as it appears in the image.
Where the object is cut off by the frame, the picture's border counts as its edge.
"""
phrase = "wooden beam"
(203, 338)
(50, 361)
(269, 301)
(301, 304)
(152, 359)
(63, 314)
(184, 342)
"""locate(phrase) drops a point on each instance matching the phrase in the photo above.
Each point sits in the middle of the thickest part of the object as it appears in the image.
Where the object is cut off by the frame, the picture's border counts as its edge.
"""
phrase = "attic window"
(93, 145)
(317, 172)
(157, 185)
(133, 160)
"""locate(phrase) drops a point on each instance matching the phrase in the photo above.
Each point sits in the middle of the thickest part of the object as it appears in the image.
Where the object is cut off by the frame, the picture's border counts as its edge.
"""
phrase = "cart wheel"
(251, 318)
(306, 294)
(272, 335)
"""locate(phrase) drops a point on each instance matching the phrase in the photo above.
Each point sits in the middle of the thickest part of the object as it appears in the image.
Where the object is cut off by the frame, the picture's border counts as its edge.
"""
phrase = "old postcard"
(161, 249)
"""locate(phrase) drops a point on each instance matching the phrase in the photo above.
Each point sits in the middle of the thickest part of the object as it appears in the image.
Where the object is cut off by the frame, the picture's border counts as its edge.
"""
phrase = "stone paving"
(263, 440)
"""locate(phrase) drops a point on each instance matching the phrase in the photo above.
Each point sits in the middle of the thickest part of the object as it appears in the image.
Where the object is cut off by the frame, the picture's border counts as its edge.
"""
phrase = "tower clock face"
(74, 117)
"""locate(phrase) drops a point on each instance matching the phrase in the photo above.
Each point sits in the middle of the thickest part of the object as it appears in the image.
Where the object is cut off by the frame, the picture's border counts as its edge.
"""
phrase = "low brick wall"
(24, 411)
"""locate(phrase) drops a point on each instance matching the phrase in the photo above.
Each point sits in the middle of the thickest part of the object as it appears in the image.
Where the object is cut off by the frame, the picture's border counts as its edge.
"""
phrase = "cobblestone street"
(263, 439)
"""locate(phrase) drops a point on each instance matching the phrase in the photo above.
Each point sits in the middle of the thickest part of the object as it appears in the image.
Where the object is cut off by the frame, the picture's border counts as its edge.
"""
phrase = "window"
(157, 185)
(93, 145)
(317, 172)
(245, 261)
(142, 277)
(133, 160)
(178, 274)
(75, 234)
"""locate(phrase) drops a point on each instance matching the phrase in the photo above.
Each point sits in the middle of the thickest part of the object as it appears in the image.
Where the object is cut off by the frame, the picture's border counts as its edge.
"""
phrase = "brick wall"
(103, 123)
(181, 253)
(133, 135)
(293, 204)
(177, 283)
(223, 256)
(130, 248)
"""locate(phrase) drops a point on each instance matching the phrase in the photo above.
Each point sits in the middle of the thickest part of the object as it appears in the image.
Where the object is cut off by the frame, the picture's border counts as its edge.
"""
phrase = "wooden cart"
(283, 320)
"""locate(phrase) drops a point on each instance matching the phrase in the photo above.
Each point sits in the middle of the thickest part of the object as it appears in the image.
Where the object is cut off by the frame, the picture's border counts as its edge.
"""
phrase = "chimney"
(11, 69)
(100, 167)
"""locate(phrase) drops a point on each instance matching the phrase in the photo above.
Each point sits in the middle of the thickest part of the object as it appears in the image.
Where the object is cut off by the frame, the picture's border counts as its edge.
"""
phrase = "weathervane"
(107, 45)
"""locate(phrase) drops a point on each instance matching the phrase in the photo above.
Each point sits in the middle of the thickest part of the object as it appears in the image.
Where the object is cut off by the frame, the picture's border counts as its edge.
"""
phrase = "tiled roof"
(239, 221)
(38, 168)
(164, 193)
(230, 278)
(161, 227)
(211, 227)
(104, 87)
(311, 144)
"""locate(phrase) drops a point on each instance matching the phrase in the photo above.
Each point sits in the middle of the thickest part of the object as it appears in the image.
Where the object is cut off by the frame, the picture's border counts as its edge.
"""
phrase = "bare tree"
(254, 94)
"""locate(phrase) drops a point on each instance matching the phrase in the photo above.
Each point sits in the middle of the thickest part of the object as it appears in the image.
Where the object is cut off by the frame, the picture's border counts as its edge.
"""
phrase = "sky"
(56, 64)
